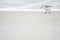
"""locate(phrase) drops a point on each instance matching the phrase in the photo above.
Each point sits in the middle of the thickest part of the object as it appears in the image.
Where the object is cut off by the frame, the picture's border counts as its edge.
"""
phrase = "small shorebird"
(46, 7)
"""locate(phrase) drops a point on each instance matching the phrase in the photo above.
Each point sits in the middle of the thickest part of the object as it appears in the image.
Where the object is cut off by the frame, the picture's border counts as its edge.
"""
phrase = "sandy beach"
(29, 25)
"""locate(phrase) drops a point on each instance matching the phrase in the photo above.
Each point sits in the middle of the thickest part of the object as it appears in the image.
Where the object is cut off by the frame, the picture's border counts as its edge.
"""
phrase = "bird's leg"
(47, 11)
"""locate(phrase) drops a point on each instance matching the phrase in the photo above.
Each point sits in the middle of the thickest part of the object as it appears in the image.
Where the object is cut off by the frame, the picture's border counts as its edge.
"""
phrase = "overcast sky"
(33, 4)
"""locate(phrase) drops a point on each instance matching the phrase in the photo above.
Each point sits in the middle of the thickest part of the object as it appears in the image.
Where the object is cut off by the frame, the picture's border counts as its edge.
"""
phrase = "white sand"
(29, 25)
